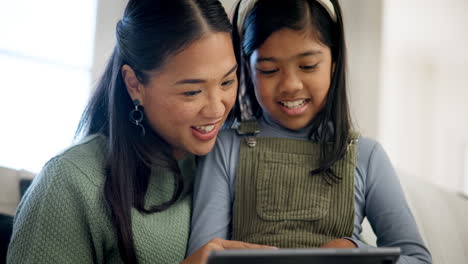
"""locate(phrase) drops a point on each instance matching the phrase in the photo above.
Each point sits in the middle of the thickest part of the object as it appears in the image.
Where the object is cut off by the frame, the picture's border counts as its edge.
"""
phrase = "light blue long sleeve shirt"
(378, 195)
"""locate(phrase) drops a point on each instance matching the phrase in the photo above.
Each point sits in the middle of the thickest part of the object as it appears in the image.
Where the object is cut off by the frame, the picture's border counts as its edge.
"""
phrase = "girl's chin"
(295, 124)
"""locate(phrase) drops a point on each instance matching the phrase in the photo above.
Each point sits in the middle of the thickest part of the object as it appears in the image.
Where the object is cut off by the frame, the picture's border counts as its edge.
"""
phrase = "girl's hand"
(201, 255)
(339, 243)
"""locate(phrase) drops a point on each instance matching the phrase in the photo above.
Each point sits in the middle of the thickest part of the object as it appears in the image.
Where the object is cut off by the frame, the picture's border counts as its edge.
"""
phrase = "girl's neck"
(275, 124)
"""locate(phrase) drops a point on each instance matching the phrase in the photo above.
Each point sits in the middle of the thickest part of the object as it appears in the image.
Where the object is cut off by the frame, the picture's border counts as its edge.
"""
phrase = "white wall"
(228, 5)
(424, 123)
(363, 32)
(108, 14)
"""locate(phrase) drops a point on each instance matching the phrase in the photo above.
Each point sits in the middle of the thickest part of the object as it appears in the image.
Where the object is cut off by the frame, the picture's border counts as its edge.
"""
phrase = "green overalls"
(277, 201)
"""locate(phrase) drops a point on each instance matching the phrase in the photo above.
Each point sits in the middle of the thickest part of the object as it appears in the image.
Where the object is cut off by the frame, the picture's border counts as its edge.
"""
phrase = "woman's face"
(291, 72)
(188, 99)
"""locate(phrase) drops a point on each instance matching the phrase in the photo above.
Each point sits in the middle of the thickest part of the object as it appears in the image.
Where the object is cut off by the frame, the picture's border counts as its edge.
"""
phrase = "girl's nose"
(290, 82)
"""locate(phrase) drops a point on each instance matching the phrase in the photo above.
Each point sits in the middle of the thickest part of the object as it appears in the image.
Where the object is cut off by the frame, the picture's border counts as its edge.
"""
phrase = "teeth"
(293, 104)
(205, 129)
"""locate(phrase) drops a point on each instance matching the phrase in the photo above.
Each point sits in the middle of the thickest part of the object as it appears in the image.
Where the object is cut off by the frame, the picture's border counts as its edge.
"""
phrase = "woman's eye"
(192, 93)
(308, 67)
(267, 72)
(227, 83)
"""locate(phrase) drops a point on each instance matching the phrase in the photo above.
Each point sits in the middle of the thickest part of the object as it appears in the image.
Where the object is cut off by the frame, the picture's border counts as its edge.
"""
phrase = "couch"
(442, 218)
(13, 184)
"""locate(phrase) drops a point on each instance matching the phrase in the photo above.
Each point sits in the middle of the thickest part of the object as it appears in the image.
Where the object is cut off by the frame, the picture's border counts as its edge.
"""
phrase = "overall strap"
(249, 129)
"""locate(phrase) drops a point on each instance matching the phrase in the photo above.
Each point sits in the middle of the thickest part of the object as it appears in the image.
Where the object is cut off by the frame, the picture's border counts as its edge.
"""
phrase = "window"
(46, 50)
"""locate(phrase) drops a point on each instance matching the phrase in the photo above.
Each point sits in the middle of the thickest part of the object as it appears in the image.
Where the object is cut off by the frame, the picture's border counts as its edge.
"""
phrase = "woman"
(123, 193)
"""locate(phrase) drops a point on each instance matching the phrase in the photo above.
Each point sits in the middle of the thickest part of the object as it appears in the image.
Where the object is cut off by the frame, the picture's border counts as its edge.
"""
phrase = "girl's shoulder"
(367, 148)
(366, 145)
(372, 159)
(228, 136)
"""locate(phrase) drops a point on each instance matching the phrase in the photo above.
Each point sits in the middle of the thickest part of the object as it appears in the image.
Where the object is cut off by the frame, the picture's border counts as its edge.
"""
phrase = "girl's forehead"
(289, 41)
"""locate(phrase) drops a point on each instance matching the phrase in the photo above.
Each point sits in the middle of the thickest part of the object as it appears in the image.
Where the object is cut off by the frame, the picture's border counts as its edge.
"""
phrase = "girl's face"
(291, 72)
(188, 99)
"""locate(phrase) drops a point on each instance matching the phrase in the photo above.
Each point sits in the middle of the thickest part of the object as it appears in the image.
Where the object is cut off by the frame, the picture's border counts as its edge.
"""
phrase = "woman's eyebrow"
(198, 81)
(233, 69)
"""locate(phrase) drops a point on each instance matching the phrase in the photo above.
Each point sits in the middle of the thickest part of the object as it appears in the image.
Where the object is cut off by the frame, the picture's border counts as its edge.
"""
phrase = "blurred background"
(408, 78)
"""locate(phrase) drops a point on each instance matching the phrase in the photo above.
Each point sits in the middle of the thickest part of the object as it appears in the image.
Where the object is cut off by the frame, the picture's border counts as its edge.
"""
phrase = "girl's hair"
(150, 32)
(332, 124)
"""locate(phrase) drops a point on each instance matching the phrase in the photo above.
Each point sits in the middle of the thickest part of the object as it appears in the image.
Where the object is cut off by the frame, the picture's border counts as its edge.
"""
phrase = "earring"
(136, 116)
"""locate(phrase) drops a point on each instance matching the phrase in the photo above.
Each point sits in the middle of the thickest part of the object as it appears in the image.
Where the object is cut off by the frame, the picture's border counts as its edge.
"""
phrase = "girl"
(298, 175)
(123, 194)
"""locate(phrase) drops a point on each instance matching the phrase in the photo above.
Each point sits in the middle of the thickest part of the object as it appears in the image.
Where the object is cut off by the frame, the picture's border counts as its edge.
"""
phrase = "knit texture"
(63, 217)
(279, 203)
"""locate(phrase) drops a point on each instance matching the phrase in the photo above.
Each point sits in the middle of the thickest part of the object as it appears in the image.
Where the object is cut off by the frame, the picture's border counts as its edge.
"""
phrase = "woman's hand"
(201, 255)
(339, 243)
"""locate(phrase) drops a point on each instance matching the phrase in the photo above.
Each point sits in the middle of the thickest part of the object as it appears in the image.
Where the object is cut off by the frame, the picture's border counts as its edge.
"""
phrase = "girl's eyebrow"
(196, 81)
(300, 55)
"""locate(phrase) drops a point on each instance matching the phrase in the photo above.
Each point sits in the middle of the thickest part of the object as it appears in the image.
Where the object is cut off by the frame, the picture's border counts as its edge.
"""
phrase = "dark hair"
(150, 32)
(332, 124)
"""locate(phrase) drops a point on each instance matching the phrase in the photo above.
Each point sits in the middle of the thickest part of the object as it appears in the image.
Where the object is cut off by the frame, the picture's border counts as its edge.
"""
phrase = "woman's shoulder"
(91, 149)
(82, 162)
(73, 177)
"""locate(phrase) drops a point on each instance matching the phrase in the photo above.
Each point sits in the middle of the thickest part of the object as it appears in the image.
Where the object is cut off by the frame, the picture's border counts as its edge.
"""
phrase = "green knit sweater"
(63, 217)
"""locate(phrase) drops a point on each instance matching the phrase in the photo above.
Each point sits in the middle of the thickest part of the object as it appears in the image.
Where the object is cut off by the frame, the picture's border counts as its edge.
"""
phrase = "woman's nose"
(214, 107)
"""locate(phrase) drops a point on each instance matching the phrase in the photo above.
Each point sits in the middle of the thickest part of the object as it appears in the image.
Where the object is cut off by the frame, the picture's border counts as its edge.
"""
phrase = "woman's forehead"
(210, 56)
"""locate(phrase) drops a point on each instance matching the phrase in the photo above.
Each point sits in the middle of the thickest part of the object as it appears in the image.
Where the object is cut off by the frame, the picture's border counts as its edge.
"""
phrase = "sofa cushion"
(442, 218)
(9, 191)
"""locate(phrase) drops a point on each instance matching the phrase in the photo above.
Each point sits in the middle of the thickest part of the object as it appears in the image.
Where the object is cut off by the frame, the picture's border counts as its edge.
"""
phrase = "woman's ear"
(134, 87)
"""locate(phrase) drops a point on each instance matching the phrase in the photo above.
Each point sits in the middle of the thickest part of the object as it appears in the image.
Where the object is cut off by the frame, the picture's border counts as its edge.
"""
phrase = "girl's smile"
(294, 107)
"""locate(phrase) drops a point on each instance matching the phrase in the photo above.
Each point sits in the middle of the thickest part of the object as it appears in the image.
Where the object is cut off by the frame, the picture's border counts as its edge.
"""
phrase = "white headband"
(246, 5)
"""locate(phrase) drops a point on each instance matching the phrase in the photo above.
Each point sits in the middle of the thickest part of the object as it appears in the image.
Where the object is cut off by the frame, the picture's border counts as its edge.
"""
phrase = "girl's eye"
(308, 67)
(227, 83)
(267, 72)
(192, 93)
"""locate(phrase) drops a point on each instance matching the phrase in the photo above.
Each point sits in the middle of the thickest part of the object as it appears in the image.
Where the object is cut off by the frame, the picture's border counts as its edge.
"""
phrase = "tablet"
(387, 255)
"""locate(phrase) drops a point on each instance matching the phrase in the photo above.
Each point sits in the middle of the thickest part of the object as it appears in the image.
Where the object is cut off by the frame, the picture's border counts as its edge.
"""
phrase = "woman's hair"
(150, 32)
(332, 124)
